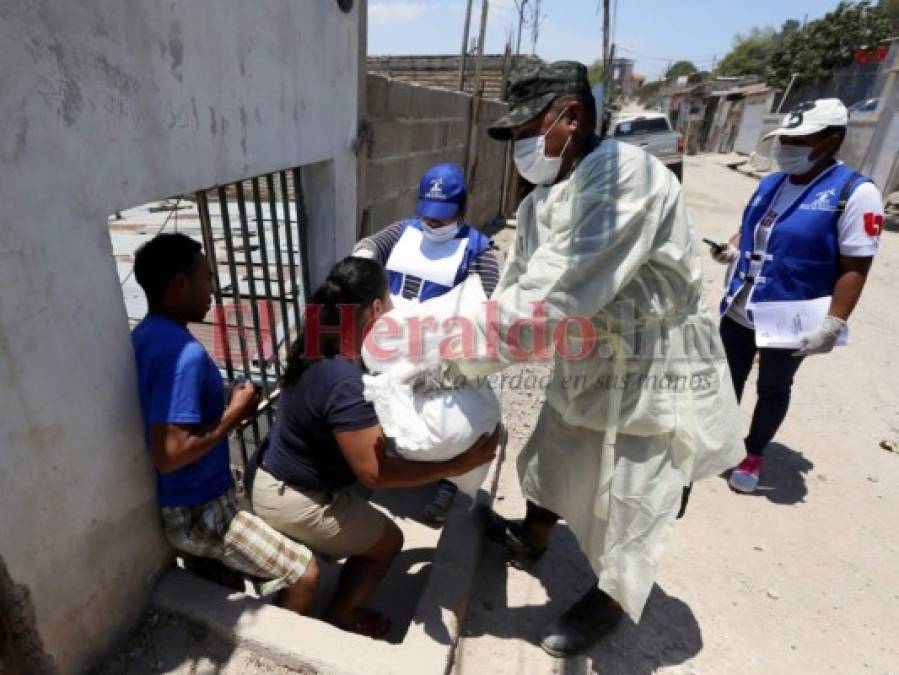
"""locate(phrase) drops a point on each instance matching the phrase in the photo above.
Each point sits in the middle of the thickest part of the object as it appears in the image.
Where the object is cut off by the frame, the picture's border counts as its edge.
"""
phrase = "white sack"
(439, 425)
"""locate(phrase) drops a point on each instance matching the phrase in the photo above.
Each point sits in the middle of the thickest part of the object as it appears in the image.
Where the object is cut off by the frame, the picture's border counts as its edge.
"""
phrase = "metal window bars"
(255, 237)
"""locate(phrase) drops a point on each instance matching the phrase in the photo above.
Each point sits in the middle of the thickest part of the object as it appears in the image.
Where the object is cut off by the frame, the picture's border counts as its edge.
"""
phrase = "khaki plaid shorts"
(240, 540)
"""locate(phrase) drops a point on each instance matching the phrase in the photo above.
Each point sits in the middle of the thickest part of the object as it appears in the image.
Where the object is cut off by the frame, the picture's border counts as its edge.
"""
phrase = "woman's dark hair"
(357, 282)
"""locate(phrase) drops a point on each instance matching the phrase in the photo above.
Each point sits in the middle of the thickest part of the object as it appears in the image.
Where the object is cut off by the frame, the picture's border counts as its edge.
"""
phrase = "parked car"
(865, 105)
(652, 132)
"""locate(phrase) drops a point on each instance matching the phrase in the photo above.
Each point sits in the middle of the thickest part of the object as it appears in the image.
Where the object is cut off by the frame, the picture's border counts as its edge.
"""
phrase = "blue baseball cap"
(441, 192)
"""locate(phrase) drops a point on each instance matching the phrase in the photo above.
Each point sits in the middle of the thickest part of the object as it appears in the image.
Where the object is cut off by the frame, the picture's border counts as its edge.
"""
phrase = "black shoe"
(582, 625)
(522, 555)
(435, 512)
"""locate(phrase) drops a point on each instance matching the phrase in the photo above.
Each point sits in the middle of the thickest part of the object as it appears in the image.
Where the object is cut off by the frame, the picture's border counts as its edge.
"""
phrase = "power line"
(699, 59)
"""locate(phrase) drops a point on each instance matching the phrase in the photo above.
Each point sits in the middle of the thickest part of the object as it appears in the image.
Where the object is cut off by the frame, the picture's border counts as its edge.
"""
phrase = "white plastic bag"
(433, 426)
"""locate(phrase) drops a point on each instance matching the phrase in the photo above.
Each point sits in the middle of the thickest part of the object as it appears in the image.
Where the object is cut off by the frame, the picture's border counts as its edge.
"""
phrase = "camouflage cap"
(534, 87)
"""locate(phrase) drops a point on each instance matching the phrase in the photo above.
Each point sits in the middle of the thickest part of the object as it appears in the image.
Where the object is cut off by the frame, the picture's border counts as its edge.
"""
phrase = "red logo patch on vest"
(768, 219)
(873, 224)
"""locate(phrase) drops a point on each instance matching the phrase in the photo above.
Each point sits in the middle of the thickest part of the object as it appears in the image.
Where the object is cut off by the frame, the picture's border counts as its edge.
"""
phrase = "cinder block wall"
(414, 127)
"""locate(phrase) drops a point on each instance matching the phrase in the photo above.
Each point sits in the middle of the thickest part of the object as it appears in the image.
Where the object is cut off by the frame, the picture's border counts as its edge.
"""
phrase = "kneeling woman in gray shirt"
(326, 439)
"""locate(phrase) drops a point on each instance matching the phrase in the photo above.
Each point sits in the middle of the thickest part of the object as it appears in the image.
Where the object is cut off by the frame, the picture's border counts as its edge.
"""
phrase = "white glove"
(823, 339)
(363, 251)
(725, 254)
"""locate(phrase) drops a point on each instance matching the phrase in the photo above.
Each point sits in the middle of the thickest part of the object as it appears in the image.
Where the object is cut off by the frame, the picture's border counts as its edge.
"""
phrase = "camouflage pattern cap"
(534, 87)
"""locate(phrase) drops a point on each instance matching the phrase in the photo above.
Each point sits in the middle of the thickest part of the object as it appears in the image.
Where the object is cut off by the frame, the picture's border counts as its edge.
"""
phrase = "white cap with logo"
(811, 117)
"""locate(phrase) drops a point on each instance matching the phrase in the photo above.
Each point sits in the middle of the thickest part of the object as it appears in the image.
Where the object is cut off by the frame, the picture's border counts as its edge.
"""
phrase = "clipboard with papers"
(783, 324)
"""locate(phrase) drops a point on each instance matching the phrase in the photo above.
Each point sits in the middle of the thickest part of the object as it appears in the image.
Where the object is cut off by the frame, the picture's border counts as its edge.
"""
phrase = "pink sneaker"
(745, 477)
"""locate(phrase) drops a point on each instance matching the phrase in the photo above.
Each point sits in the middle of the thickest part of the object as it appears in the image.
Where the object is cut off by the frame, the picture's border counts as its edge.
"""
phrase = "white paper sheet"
(784, 324)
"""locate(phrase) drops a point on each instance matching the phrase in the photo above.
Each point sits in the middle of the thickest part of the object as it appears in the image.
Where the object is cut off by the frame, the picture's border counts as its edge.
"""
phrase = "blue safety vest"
(422, 270)
(802, 257)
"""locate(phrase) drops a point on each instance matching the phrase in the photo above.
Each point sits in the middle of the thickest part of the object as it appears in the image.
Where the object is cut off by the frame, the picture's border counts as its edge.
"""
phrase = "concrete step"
(428, 642)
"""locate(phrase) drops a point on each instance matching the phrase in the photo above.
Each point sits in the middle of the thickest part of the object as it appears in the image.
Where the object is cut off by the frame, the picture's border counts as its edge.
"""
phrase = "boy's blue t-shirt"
(179, 383)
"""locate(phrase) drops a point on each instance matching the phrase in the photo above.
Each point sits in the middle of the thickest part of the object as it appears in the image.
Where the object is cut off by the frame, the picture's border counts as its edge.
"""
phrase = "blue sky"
(652, 32)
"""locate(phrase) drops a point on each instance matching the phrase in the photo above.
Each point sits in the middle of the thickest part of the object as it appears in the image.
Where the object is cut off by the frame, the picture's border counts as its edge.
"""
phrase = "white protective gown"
(652, 407)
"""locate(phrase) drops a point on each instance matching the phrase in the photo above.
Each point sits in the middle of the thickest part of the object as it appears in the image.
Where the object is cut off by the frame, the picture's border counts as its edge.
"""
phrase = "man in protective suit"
(640, 405)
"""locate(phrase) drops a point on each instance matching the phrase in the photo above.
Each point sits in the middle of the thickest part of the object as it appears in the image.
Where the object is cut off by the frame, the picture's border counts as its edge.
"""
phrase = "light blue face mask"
(795, 159)
(439, 234)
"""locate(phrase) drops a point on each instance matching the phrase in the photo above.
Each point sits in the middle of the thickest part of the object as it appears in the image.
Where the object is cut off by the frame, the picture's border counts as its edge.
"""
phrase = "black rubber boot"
(582, 625)
(508, 533)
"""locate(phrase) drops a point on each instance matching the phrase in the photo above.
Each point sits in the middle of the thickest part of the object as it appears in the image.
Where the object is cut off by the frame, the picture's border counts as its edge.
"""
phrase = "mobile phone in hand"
(714, 244)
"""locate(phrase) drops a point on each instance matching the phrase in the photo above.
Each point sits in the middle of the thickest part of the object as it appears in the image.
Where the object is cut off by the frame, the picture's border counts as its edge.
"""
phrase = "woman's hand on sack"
(484, 450)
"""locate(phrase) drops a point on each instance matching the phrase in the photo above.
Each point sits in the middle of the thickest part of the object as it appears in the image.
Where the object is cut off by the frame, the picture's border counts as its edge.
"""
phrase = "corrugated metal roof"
(752, 89)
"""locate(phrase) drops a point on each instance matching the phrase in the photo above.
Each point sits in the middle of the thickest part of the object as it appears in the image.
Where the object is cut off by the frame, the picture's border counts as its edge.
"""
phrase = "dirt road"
(802, 577)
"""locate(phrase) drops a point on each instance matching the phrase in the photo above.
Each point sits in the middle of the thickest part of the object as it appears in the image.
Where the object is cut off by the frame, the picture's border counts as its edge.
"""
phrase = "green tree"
(752, 52)
(828, 43)
(679, 69)
(890, 8)
(790, 26)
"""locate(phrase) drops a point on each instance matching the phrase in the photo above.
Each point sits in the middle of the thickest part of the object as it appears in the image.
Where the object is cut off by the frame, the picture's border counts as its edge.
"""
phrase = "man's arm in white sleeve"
(600, 237)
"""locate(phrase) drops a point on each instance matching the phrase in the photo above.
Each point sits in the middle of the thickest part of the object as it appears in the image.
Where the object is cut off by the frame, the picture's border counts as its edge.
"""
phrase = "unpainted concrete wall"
(414, 127)
(882, 161)
(105, 105)
(859, 134)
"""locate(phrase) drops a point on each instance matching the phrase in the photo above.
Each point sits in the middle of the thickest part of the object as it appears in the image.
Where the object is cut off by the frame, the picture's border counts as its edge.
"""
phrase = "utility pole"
(535, 27)
(786, 93)
(521, 5)
(606, 54)
(482, 38)
(464, 47)
(471, 153)
(507, 154)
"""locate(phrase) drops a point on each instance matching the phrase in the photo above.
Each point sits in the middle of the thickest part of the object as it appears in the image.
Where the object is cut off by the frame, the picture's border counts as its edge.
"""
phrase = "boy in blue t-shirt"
(187, 421)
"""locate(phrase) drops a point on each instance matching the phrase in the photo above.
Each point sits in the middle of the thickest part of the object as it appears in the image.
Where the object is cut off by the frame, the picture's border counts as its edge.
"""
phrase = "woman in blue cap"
(428, 255)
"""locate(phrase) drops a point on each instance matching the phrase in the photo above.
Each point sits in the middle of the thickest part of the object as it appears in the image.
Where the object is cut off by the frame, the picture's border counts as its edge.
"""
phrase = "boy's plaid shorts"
(241, 540)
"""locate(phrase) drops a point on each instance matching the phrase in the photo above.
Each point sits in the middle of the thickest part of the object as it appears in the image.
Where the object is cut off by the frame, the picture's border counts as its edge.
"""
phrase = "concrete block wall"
(442, 71)
(414, 127)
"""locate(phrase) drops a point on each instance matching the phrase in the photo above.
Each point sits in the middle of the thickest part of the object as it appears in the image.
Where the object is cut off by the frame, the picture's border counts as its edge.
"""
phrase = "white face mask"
(440, 234)
(531, 161)
(795, 159)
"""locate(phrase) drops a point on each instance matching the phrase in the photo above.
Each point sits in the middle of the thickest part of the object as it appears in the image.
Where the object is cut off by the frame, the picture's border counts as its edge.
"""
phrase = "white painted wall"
(106, 104)
(754, 110)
